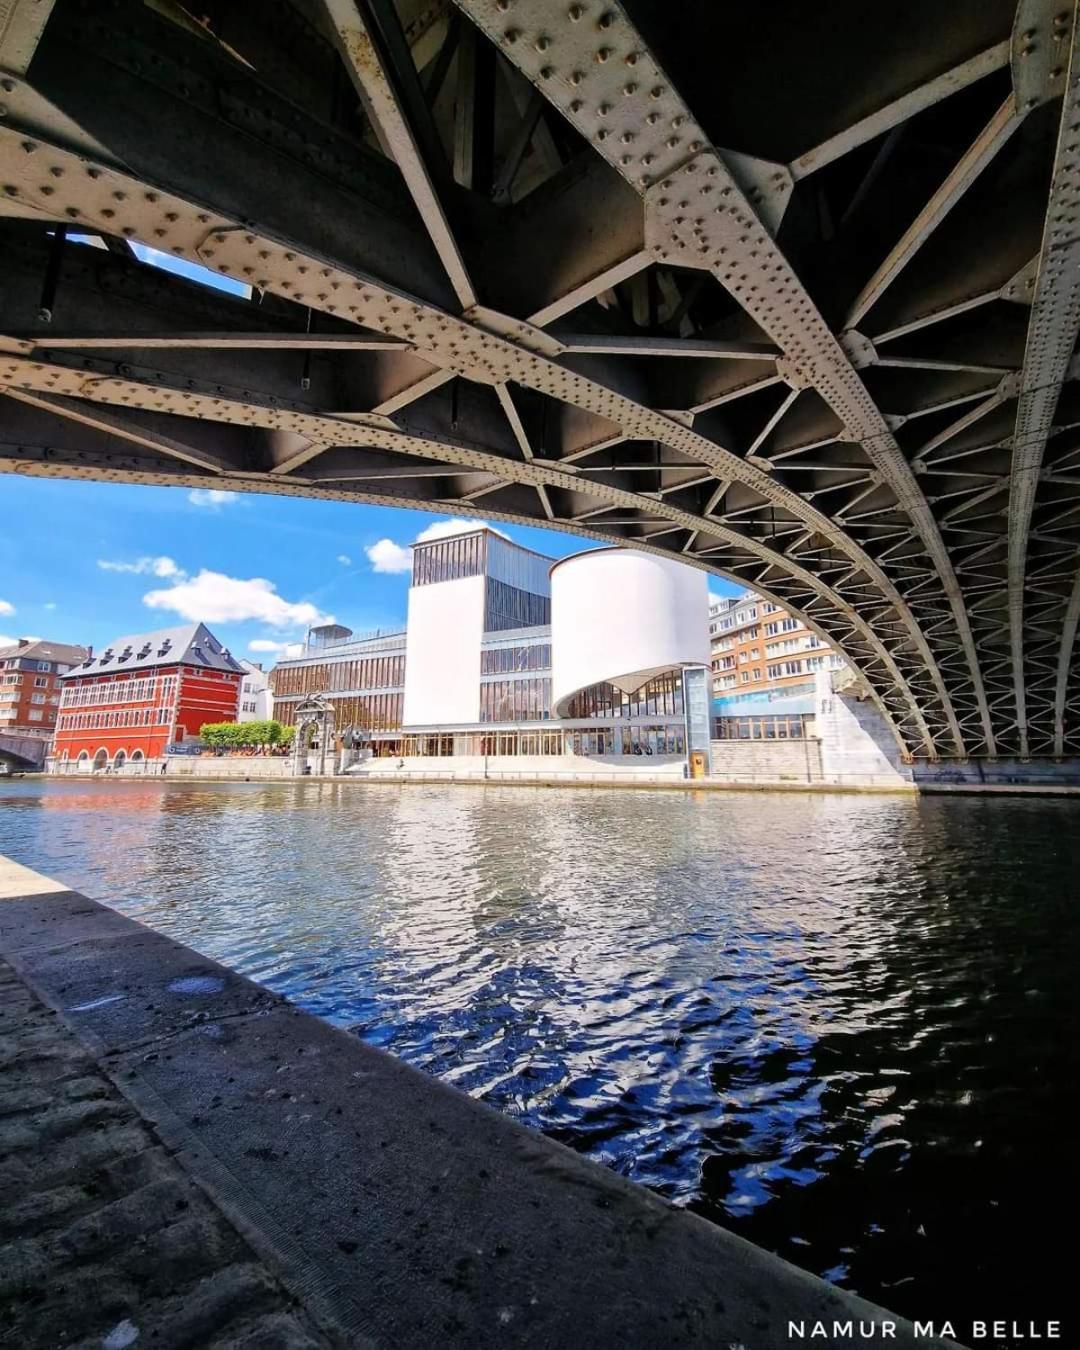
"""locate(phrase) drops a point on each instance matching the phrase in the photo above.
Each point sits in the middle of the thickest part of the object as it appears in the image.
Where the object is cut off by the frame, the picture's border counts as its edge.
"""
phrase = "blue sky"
(257, 568)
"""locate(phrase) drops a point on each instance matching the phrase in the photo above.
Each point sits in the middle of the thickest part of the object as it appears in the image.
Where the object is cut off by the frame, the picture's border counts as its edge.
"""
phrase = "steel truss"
(787, 296)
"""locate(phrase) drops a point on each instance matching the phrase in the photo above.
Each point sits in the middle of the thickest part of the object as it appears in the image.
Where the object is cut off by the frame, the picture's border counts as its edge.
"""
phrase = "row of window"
(515, 700)
(636, 740)
(17, 663)
(792, 727)
(661, 697)
(449, 560)
(504, 660)
(93, 694)
(371, 712)
(367, 672)
(781, 626)
(116, 717)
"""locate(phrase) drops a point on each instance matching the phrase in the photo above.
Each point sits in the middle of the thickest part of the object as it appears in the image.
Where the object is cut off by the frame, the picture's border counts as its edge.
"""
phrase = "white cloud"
(159, 567)
(6, 607)
(284, 649)
(344, 560)
(23, 637)
(212, 597)
(212, 498)
(443, 529)
(386, 556)
(49, 604)
(7, 641)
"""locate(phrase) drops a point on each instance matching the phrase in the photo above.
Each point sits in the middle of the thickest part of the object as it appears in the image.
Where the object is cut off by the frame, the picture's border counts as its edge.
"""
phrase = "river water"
(845, 1027)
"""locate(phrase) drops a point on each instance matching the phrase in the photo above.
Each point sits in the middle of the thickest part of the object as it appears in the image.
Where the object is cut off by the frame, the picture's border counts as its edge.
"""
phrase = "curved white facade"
(622, 618)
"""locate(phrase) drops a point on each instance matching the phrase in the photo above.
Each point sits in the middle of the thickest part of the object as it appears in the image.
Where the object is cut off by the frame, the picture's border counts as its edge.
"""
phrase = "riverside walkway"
(189, 1160)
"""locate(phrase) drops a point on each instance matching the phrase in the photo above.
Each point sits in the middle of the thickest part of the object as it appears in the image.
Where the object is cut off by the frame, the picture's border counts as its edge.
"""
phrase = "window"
(37, 698)
(43, 665)
(36, 715)
(41, 682)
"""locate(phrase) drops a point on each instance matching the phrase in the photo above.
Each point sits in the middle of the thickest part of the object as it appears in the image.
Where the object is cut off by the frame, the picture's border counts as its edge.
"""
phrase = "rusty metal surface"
(653, 276)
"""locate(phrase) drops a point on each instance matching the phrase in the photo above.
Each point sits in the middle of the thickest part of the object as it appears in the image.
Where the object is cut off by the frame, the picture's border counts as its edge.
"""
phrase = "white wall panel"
(622, 618)
(442, 653)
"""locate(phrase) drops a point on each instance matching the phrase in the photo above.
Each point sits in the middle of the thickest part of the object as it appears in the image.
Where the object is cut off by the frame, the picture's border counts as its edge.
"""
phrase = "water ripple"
(845, 1027)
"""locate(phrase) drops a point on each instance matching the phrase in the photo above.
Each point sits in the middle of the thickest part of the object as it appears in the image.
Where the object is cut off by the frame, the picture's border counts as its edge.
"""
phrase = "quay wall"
(396, 1209)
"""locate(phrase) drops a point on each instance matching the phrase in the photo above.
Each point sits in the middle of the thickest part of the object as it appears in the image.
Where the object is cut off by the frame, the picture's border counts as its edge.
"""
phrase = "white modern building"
(256, 700)
(509, 655)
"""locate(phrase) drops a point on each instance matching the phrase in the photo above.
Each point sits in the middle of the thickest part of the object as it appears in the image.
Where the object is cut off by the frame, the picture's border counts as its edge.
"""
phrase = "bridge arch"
(876, 445)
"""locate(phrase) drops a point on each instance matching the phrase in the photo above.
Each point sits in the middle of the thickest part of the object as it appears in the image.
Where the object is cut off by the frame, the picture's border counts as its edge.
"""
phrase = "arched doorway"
(119, 759)
(101, 760)
(314, 723)
(82, 764)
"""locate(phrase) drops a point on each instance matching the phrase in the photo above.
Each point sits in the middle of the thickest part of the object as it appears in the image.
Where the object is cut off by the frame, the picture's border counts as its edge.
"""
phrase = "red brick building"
(144, 694)
(30, 674)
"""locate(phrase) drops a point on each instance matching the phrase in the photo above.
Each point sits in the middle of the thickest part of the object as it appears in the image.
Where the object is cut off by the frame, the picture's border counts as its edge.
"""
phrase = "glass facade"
(789, 727)
(630, 740)
(507, 606)
(508, 660)
(661, 697)
(515, 700)
(451, 559)
(382, 671)
(372, 712)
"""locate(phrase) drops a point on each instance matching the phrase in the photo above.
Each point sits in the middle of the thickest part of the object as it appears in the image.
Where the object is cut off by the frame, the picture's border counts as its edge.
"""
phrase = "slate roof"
(41, 649)
(191, 644)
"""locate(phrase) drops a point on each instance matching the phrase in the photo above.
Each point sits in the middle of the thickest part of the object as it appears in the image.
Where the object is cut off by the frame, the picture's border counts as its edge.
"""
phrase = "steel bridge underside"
(787, 292)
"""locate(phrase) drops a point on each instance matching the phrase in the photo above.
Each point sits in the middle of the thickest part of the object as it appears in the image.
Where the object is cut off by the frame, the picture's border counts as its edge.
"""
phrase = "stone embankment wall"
(797, 761)
(855, 739)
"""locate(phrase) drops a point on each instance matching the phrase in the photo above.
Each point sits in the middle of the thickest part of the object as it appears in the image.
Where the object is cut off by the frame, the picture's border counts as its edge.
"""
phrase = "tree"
(241, 735)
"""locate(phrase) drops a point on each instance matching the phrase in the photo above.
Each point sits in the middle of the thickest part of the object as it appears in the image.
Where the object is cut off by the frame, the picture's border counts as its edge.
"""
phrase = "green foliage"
(242, 735)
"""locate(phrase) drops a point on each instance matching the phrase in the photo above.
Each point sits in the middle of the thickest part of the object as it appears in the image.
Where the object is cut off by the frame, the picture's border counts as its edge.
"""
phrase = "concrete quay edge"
(392, 780)
(398, 1210)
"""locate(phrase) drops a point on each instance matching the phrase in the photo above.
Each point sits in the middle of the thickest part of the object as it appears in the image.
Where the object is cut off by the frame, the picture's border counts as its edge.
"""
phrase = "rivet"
(606, 19)
(546, 73)
(575, 12)
(511, 35)
(629, 89)
(603, 54)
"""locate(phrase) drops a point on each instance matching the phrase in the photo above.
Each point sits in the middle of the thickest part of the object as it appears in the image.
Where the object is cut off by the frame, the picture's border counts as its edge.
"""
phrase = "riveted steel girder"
(532, 259)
